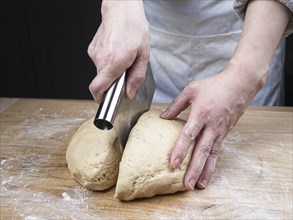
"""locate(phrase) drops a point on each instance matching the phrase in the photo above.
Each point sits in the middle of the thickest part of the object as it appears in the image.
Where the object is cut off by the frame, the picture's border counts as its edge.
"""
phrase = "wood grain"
(253, 177)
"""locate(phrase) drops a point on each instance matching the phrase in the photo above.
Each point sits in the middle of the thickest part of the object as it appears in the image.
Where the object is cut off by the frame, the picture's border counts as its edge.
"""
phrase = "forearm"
(124, 17)
(264, 25)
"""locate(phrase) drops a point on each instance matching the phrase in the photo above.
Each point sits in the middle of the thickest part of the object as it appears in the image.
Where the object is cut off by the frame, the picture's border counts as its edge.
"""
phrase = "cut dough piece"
(93, 156)
(144, 169)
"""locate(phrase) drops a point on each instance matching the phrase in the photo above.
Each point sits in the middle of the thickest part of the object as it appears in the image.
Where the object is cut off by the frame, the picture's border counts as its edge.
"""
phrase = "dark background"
(43, 49)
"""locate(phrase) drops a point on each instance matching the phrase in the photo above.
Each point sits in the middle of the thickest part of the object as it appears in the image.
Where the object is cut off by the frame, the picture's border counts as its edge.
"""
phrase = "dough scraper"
(118, 112)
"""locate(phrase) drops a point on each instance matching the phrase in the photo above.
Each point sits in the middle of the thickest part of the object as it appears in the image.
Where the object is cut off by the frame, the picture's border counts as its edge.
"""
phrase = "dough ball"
(144, 169)
(93, 156)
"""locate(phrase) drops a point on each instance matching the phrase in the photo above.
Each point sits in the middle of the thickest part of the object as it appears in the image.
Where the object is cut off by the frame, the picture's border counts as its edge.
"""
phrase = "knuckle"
(205, 149)
(214, 153)
(110, 58)
(90, 50)
(214, 130)
(189, 134)
(204, 113)
(139, 78)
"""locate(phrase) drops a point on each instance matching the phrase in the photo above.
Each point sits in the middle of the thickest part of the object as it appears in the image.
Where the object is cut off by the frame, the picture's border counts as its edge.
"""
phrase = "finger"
(210, 165)
(179, 104)
(102, 82)
(200, 154)
(135, 75)
(185, 139)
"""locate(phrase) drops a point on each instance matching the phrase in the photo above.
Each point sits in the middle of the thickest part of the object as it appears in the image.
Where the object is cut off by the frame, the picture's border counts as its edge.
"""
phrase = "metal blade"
(118, 112)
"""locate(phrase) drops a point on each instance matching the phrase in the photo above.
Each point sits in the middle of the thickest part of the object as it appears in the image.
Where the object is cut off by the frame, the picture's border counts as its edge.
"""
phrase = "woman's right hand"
(121, 42)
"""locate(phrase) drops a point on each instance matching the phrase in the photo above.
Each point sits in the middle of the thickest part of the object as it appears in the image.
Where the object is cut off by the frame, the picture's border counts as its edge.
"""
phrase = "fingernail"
(164, 113)
(203, 184)
(97, 98)
(177, 163)
(130, 94)
(191, 184)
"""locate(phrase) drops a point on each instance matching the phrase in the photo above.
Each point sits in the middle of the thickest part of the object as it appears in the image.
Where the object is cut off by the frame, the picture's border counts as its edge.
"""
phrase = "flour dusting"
(21, 174)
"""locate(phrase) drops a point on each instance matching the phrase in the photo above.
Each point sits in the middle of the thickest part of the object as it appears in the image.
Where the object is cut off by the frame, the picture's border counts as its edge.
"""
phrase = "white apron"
(191, 40)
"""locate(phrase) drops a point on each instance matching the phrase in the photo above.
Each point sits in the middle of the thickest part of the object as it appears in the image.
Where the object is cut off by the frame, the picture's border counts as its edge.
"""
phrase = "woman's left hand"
(216, 105)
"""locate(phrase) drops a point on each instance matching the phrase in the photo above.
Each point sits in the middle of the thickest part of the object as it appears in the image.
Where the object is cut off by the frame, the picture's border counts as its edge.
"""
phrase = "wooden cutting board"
(252, 180)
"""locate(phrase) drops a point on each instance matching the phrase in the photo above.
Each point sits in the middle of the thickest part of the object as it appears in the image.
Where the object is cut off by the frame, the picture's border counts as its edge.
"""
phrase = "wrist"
(244, 82)
(258, 41)
(110, 6)
(124, 14)
(249, 69)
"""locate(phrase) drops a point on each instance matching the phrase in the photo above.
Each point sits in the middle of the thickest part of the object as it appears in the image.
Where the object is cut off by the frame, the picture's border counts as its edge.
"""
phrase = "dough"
(93, 156)
(144, 169)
